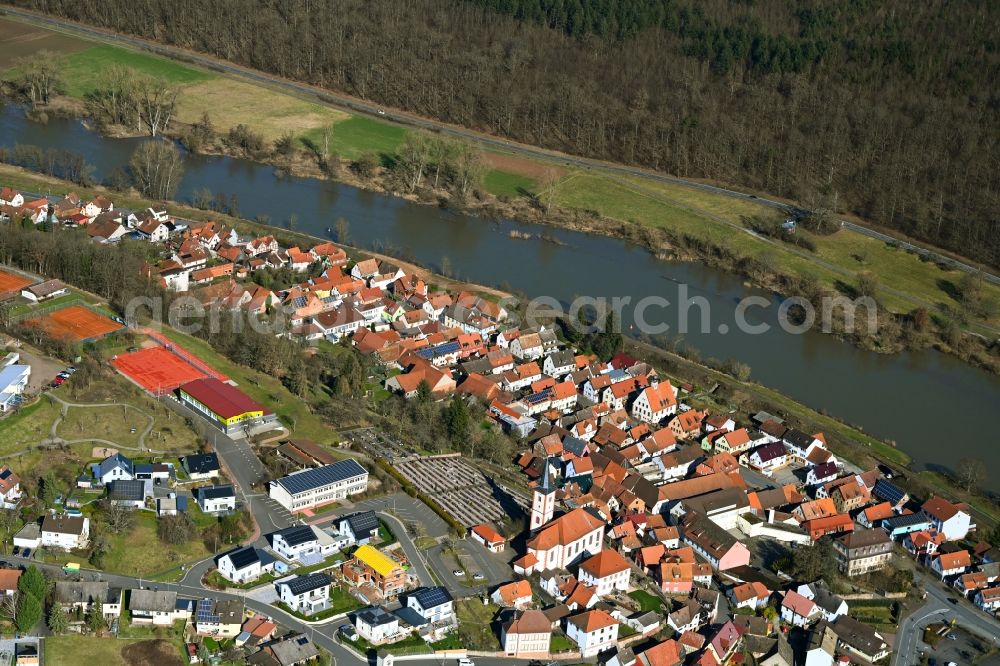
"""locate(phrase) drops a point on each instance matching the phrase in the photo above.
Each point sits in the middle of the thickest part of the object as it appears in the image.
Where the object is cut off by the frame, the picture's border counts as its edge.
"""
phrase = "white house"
(376, 625)
(215, 499)
(593, 631)
(606, 571)
(65, 532)
(303, 542)
(306, 594)
(153, 230)
(10, 488)
(44, 291)
(797, 609)
(559, 364)
(159, 608)
(829, 604)
(359, 528)
(244, 564)
(526, 635)
(820, 474)
(951, 564)
(201, 466)
(768, 458)
(434, 604)
(114, 468)
(655, 403)
(752, 595)
(951, 520)
(988, 599)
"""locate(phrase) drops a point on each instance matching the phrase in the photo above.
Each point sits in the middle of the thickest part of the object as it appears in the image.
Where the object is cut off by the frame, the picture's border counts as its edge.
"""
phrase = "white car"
(458, 573)
(465, 661)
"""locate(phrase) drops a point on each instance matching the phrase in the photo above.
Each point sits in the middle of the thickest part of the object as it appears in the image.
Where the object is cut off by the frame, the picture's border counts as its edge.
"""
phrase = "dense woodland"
(886, 110)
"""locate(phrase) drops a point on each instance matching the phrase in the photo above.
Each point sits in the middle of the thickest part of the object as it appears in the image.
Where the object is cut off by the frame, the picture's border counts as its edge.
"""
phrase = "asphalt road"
(938, 609)
(340, 100)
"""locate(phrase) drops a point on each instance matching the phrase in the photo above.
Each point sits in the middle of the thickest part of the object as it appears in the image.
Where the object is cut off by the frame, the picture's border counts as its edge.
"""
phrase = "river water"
(933, 406)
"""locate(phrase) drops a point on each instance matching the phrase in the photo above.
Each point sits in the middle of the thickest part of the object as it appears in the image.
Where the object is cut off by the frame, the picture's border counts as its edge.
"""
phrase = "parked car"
(26, 553)
(478, 576)
(17, 550)
(458, 572)
(348, 631)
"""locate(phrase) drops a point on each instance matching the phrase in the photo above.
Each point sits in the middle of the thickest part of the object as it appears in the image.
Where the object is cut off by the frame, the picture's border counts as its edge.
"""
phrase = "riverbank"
(849, 441)
(676, 224)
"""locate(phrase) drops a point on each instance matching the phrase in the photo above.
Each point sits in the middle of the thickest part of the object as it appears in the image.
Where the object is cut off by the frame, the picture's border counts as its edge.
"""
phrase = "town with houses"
(643, 531)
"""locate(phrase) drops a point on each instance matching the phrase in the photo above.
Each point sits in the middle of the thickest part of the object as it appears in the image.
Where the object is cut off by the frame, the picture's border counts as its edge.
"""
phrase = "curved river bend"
(932, 405)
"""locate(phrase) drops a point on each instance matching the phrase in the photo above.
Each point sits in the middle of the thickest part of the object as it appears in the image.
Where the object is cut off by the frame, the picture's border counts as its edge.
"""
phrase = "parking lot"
(961, 647)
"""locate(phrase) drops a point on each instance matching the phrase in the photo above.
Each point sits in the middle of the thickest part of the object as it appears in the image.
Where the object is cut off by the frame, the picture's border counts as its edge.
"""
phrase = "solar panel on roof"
(205, 612)
(243, 557)
(432, 597)
(303, 584)
(297, 535)
(364, 522)
(300, 302)
(321, 476)
(537, 398)
(888, 492)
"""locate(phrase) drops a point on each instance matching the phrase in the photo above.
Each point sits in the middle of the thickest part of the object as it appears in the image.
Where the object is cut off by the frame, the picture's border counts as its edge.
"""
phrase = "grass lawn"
(503, 183)
(357, 135)
(450, 642)
(111, 423)
(341, 601)
(26, 308)
(230, 102)
(647, 601)
(27, 427)
(140, 551)
(412, 644)
(560, 643)
(76, 649)
(84, 70)
(265, 389)
(475, 624)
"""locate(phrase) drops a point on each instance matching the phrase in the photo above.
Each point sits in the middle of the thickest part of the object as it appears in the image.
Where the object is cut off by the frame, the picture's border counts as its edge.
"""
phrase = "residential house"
(215, 499)
(307, 594)
(221, 618)
(751, 595)
(829, 604)
(371, 566)
(655, 403)
(201, 466)
(862, 551)
(10, 488)
(159, 608)
(434, 604)
(113, 468)
(606, 571)
(988, 599)
(244, 565)
(860, 639)
(8, 582)
(951, 564)
(797, 609)
(376, 625)
(722, 550)
(768, 458)
(80, 596)
(287, 652)
(526, 634)
(513, 595)
(129, 493)
(13, 381)
(65, 532)
(306, 544)
(360, 528)
(951, 520)
(44, 291)
(822, 474)
(594, 631)
(724, 643)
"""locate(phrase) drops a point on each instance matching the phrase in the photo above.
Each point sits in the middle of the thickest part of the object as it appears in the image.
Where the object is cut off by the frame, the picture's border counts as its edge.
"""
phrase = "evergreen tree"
(29, 614)
(32, 583)
(58, 622)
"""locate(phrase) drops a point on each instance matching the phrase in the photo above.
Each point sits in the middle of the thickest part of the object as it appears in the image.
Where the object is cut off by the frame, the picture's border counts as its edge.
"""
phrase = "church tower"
(543, 503)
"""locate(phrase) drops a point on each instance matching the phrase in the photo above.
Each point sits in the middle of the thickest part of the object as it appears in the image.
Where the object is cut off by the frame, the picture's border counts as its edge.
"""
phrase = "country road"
(347, 102)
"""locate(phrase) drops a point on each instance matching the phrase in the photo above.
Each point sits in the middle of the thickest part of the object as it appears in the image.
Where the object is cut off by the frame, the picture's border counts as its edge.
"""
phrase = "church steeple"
(543, 503)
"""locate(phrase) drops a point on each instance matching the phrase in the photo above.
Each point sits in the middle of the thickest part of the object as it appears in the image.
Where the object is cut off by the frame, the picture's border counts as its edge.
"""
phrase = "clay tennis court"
(12, 282)
(157, 369)
(77, 323)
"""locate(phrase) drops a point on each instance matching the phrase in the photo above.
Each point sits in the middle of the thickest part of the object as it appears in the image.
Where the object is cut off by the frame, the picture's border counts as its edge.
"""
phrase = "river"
(935, 407)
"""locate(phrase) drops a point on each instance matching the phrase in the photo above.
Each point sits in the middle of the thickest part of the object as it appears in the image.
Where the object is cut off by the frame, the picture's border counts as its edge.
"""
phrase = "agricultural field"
(230, 102)
(84, 70)
(356, 135)
(20, 39)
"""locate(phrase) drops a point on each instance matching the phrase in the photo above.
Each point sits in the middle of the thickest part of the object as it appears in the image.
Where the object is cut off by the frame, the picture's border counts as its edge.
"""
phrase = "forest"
(886, 111)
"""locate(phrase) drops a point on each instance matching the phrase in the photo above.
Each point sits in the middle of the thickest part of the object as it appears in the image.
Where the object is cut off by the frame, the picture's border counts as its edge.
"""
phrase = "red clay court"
(77, 322)
(12, 283)
(156, 369)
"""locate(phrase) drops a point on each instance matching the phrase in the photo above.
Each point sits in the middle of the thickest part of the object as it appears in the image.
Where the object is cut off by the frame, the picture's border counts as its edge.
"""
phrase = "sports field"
(77, 323)
(12, 282)
(157, 369)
